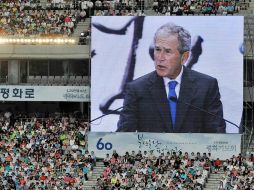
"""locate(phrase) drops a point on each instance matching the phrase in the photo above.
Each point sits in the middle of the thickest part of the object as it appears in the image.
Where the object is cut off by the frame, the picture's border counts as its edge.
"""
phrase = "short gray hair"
(184, 37)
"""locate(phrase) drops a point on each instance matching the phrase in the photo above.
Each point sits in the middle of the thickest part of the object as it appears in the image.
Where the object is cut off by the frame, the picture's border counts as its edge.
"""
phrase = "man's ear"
(151, 51)
(185, 57)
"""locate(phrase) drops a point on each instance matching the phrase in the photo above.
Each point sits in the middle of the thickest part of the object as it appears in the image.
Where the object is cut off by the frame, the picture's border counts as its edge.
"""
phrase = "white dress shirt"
(178, 79)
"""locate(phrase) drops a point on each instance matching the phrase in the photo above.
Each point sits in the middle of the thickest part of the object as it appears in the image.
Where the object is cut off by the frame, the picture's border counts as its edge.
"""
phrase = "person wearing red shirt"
(72, 181)
(251, 158)
(22, 182)
(43, 177)
(217, 164)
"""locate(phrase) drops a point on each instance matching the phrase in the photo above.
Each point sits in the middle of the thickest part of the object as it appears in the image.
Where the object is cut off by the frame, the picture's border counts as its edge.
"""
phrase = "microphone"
(174, 99)
(115, 110)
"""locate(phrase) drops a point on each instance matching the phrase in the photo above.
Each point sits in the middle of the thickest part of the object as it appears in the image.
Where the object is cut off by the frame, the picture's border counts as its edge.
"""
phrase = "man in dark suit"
(149, 106)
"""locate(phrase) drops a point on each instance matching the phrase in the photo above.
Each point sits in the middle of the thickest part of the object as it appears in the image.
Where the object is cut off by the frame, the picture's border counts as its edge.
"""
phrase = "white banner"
(222, 146)
(45, 93)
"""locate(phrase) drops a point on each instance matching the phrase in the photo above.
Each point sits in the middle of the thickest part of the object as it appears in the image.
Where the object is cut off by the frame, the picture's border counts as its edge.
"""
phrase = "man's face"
(167, 58)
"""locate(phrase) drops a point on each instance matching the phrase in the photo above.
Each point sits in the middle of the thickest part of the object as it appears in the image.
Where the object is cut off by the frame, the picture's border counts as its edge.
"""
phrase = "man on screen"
(165, 100)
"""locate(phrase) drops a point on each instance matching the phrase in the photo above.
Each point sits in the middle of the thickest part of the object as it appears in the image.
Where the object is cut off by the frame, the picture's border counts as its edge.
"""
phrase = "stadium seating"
(59, 18)
(52, 152)
(145, 170)
(58, 80)
(43, 152)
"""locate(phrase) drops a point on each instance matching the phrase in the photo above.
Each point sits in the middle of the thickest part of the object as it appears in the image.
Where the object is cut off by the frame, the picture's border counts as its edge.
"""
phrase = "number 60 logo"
(100, 145)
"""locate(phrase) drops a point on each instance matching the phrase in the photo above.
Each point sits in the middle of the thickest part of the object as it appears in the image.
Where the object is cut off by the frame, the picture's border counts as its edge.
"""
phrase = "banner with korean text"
(221, 146)
(45, 93)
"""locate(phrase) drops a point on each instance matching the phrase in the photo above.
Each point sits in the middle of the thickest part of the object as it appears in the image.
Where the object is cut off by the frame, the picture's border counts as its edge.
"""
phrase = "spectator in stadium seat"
(217, 165)
(146, 98)
(187, 10)
(159, 161)
(138, 156)
(177, 10)
(193, 8)
(222, 9)
(106, 160)
(207, 9)
(115, 154)
(230, 8)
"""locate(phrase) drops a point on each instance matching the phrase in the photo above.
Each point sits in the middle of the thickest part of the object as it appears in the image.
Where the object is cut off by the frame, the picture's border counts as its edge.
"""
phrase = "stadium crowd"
(147, 171)
(50, 152)
(44, 153)
(18, 21)
(238, 173)
(196, 7)
(25, 18)
(39, 152)
(174, 171)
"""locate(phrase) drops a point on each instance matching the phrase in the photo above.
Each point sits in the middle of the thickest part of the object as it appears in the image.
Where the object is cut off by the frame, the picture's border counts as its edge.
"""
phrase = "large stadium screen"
(134, 58)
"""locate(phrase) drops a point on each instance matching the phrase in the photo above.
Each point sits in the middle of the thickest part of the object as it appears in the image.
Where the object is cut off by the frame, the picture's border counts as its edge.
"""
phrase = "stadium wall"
(8, 52)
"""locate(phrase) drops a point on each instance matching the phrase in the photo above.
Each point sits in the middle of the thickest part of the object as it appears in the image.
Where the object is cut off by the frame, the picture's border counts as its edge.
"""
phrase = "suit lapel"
(187, 91)
(159, 97)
